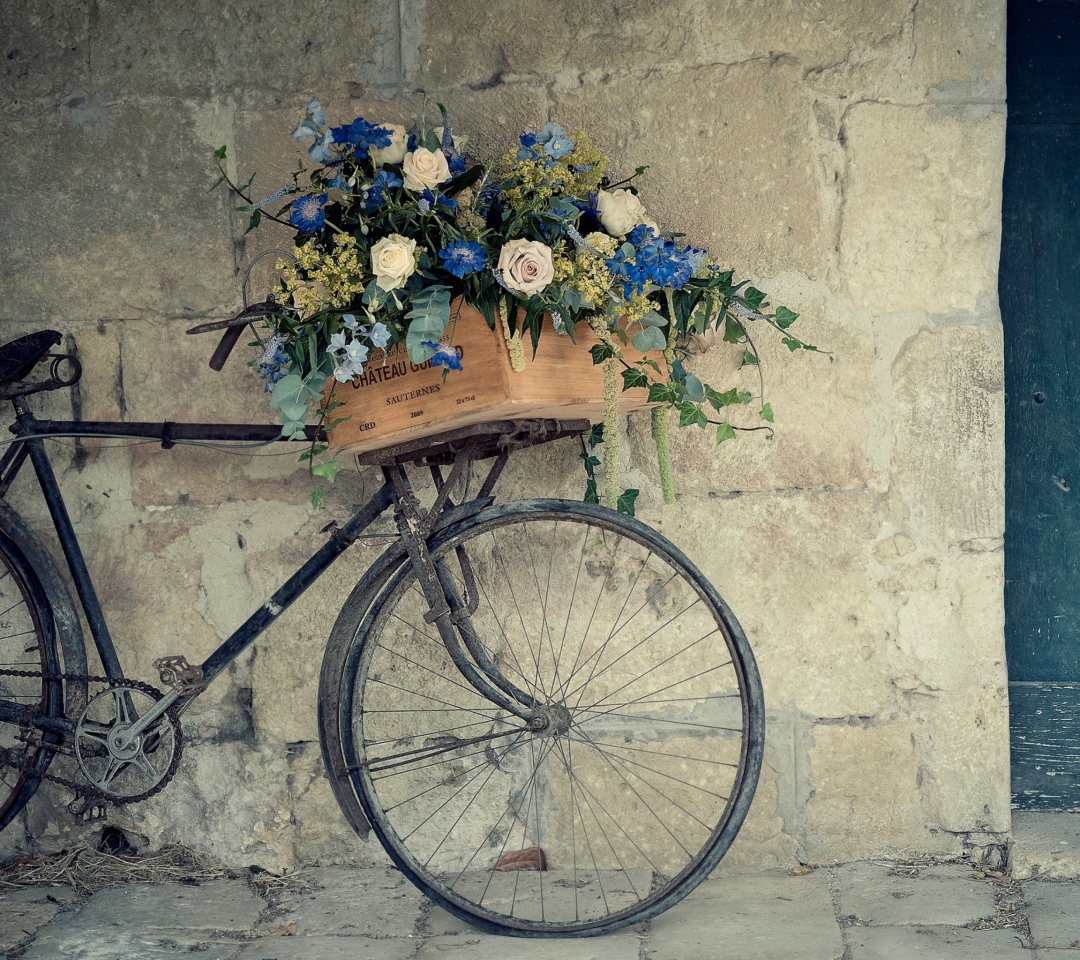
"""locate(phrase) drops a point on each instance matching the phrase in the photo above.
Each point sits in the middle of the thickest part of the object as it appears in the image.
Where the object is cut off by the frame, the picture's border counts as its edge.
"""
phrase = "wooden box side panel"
(396, 400)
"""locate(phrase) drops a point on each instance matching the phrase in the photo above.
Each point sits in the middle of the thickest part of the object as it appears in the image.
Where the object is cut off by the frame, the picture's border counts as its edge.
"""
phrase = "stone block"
(230, 51)
(882, 895)
(621, 945)
(921, 219)
(735, 918)
(45, 53)
(124, 228)
(731, 167)
(22, 913)
(948, 460)
(332, 948)
(866, 794)
(792, 568)
(1045, 845)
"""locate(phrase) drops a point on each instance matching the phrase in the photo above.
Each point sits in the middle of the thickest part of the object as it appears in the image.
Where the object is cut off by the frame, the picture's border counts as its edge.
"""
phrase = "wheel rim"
(22, 647)
(630, 789)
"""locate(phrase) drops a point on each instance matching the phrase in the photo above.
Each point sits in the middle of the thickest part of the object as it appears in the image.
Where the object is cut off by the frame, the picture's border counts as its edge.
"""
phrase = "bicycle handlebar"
(225, 347)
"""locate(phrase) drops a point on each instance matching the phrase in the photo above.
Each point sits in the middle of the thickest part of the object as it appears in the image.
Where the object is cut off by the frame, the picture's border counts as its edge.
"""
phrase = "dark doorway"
(1039, 288)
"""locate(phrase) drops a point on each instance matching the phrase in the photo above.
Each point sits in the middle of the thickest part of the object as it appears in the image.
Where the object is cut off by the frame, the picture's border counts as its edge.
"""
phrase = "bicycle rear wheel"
(654, 724)
(27, 643)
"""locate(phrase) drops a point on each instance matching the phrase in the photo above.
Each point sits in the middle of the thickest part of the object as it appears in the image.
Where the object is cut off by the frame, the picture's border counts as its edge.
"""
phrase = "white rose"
(620, 211)
(526, 265)
(425, 170)
(393, 261)
(395, 153)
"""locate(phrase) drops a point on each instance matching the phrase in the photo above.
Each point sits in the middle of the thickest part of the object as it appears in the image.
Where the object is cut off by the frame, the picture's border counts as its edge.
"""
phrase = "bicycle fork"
(447, 610)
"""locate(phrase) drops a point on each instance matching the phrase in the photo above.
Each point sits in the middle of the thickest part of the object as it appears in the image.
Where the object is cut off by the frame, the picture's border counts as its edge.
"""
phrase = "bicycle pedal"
(87, 810)
(182, 676)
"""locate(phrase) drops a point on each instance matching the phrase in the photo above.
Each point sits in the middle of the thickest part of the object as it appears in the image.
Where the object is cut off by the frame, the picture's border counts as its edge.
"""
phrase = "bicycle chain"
(83, 789)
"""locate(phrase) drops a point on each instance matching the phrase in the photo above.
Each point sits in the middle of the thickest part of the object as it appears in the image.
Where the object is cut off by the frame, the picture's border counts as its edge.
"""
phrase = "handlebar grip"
(225, 347)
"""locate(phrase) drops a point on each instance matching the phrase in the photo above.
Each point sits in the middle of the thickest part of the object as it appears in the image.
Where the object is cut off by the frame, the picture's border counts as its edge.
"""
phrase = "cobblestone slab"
(24, 912)
(327, 948)
(476, 946)
(354, 902)
(770, 916)
(936, 943)
(1054, 914)
(886, 895)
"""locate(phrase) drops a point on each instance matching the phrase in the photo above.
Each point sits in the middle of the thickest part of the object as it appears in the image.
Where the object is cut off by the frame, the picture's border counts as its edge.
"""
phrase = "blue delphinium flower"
(654, 259)
(361, 136)
(463, 257)
(307, 213)
(348, 357)
(444, 355)
(554, 140)
(313, 122)
(375, 194)
(377, 334)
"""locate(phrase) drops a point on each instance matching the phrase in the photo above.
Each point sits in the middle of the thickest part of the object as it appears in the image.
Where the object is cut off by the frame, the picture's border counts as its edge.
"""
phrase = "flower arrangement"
(393, 224)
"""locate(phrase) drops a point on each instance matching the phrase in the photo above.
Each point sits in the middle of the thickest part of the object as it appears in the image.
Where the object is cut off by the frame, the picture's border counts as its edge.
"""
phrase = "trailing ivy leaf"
(791, 344)
(661, 393)
(591, 462)
(785, 318)
(695, 390)
(715, 399)
(766, 413)
(625, 503)
(733, 330)
(691, 413)
(326, 470)
(734, 395)
(634, 378)
(590, 492)
(254, 221)
(428, 317)
(596, 435)
(650, 338)
(601, 352)
(748, 359)
(432, 142)
(754, 298)
(317, 498)
(219, 153)
(724, 432)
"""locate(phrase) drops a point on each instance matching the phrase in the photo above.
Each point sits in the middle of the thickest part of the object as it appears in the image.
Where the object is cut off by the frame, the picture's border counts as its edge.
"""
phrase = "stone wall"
(845, 154)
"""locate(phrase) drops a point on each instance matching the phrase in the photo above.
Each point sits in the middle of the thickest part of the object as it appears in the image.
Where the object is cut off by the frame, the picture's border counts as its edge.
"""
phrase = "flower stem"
(611, 433)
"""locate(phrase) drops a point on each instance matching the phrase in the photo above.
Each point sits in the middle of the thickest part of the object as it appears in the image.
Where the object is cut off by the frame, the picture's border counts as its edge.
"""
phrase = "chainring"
(88, 793)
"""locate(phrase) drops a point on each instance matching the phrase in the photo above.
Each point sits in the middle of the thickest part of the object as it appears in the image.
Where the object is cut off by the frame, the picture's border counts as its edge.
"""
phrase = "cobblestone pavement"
(857, 911)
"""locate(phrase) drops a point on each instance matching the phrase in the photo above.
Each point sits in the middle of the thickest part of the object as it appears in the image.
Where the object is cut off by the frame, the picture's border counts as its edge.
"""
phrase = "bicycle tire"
(27, 642)
(409, 723)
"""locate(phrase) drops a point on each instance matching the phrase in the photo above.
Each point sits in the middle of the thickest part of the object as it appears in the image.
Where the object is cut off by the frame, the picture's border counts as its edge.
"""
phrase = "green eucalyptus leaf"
(653, 319)
(694, 388)
(651, 338)
(428, 317)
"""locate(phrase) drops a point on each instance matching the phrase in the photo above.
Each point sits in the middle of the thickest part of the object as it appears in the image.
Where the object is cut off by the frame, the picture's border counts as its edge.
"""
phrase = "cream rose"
(526, 265)
(393, 261)
(395, 153)
(425, 170)
(620, 211)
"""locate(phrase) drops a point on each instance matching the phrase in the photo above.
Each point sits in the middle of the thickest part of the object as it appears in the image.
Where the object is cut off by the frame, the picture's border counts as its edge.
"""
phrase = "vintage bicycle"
(549, 717)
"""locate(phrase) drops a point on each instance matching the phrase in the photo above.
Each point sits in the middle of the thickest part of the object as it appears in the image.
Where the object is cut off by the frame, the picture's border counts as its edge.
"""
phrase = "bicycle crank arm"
(125, 737)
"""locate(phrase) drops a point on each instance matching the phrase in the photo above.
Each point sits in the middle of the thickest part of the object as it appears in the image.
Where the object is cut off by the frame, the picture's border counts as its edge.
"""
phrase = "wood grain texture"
(397, 400)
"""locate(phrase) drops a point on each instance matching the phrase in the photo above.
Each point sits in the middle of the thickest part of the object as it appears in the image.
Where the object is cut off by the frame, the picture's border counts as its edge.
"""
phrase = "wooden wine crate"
(397, 400)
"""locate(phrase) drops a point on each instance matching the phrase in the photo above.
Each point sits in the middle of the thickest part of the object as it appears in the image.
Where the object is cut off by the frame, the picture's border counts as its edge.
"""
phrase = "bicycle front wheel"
(653, 713)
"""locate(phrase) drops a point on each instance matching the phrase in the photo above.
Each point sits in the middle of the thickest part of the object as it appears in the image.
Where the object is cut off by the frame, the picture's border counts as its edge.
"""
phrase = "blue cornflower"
(444, 355)
(361, 136)
(463, 257)
(307, 213)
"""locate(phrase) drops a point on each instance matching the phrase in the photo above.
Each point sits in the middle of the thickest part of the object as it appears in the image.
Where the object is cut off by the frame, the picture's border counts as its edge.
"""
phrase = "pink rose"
(526, 265)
